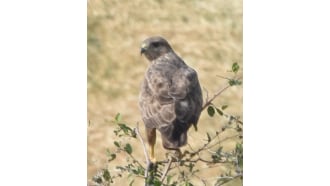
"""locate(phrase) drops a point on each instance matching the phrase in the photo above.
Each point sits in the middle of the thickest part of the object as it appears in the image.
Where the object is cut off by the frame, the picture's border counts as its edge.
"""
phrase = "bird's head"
(154, 47)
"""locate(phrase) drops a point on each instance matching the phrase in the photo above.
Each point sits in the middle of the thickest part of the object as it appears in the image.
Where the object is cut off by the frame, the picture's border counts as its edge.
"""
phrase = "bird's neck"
(169, 57)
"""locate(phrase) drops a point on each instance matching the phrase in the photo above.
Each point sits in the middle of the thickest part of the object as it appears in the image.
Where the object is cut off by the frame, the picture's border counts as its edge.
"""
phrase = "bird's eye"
(155, 44)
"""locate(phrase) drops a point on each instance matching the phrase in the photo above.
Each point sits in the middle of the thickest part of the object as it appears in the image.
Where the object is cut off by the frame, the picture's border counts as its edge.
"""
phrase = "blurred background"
(207, 34)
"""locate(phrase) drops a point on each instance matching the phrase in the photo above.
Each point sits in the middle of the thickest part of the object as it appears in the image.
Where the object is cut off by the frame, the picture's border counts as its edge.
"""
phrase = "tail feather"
(173, 137)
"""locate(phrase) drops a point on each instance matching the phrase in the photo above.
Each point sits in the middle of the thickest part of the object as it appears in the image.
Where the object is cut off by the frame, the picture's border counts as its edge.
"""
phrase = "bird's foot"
(152, 160)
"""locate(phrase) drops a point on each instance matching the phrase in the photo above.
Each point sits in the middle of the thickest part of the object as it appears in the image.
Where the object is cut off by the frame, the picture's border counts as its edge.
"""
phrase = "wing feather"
(170, 99)
(168, 94)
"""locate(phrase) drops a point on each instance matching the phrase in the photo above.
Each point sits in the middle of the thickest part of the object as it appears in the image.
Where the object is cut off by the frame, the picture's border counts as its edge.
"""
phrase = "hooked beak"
(144, 48)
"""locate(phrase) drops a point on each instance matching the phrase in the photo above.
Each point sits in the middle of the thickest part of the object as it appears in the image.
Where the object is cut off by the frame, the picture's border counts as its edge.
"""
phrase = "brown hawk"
(170, 98)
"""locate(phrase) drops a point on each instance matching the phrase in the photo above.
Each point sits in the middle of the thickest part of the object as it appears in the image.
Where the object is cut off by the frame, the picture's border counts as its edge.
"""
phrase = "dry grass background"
(206, 34)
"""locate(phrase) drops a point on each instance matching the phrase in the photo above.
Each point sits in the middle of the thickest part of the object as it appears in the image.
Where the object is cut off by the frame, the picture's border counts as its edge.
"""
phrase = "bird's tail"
(174, 137)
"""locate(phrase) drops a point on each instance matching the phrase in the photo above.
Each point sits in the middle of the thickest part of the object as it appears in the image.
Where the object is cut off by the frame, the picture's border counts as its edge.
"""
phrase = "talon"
(152, 159)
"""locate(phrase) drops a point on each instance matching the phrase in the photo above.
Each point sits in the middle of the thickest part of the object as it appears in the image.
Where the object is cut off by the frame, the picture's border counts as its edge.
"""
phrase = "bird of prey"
(170, 99)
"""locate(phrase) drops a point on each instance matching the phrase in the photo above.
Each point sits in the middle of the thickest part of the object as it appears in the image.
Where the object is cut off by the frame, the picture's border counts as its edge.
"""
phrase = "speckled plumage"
(171, 98)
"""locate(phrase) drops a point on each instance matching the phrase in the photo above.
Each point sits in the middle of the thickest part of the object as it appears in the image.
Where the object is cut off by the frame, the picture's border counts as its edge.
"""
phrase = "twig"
(229, 177)
(196, 152)
(167, 168)
(201, 179)
(223, 77)
(232, 118)
(207, 93)
(206, 144)
(209, 101)
(190, 161)
(131, 156)
(220, 141)
(144, 150)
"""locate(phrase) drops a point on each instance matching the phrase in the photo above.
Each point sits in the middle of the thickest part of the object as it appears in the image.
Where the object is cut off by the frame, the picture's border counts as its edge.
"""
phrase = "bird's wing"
(156, 105)
(188, 96)
(184, 80)
(167, 96)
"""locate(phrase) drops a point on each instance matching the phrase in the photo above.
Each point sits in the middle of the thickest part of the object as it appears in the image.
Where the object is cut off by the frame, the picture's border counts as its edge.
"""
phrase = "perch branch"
(144, 150)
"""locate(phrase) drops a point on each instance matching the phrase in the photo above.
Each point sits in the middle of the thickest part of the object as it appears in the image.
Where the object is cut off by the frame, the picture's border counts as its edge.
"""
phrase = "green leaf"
(239, 147)
(140, 171)
(106, 174)
(157, 183)
(224, 107)
(111, 156)
(128, 148)
(118, 117)
(233, 82)
(191, 166)
(235, 67)
(125, 128)
(97, 179)
(219, 111)
(116, 143)
(210, 111)
(131, 183)
(168, 179)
